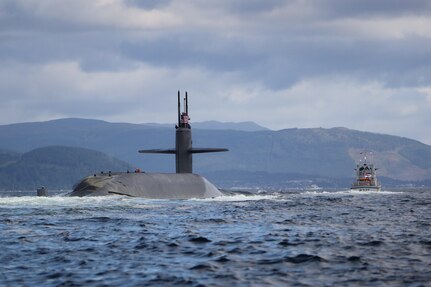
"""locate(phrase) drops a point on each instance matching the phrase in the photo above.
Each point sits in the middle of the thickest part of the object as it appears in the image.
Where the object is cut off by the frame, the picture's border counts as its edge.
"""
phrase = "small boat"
(366, 177)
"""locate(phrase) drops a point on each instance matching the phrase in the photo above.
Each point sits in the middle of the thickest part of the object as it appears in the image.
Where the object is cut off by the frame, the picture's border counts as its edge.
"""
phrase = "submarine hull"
(147, 185)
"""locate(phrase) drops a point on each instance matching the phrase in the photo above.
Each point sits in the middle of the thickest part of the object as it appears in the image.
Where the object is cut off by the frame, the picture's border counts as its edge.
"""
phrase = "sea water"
(296, 238)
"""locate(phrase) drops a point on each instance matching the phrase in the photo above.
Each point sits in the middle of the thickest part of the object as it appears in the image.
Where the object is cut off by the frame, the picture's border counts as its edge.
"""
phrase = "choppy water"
(302, 238)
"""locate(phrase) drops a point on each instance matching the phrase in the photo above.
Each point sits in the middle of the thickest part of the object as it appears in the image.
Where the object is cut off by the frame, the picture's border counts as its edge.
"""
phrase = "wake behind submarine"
(183, 184)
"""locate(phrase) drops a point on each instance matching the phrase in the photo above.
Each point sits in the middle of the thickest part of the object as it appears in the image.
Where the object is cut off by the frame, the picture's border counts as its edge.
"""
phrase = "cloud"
(81, 15)
(361, 64)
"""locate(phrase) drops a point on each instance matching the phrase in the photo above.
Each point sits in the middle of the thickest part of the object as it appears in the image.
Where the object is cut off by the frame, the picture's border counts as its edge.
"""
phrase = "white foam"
(58, 201)
(238, 197)
(349, 192)
(114, 201)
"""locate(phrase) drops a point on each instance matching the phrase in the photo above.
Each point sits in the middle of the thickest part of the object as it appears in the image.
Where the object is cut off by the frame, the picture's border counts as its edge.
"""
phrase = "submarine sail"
(183, 142)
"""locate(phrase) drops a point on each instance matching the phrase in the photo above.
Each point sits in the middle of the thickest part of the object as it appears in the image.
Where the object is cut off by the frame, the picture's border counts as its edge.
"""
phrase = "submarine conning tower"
(183, 141)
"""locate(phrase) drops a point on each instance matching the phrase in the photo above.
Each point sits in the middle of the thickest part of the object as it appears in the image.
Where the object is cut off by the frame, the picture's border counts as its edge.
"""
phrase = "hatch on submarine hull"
(183, 184)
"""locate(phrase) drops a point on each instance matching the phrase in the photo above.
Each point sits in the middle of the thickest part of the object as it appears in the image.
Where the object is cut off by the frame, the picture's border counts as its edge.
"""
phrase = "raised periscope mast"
(366, 176)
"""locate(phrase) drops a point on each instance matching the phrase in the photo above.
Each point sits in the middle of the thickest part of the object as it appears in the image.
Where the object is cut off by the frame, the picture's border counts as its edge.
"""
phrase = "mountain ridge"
(312, 151)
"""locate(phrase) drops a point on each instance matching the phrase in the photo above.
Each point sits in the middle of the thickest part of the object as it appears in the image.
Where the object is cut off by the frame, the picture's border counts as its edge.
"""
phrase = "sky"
(363, 64)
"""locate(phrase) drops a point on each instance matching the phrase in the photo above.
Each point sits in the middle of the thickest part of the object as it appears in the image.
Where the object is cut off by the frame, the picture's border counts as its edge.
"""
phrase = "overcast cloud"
(359, 64)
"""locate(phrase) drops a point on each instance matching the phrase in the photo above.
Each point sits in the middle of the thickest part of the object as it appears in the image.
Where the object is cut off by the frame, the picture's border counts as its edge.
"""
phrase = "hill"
(314, 152)
(56, 167)
(240, 126)
(215, 125)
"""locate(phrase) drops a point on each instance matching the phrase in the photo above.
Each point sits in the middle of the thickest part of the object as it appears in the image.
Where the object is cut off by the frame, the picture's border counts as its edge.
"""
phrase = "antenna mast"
(179, 109)
(187, 105)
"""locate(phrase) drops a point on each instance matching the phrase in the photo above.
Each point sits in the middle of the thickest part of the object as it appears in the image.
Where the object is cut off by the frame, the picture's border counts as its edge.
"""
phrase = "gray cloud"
(280, 63)
(370, 8)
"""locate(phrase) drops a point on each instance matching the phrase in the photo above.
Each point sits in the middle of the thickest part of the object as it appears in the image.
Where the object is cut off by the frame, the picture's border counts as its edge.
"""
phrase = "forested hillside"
(56, 167)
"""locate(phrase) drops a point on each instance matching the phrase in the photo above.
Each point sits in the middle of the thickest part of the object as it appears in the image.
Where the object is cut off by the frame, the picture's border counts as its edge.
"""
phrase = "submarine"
(183, 184)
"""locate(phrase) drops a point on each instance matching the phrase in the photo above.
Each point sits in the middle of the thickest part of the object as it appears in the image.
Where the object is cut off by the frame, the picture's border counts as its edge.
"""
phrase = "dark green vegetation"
(56, 167)
(309, 155)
